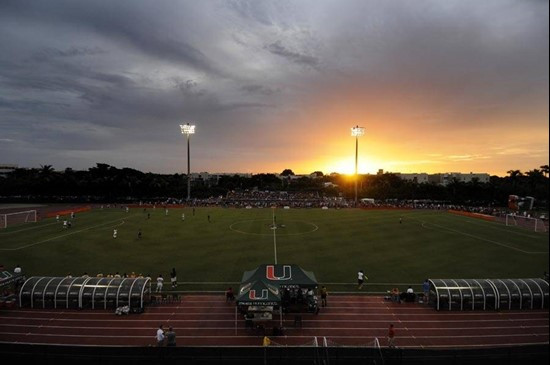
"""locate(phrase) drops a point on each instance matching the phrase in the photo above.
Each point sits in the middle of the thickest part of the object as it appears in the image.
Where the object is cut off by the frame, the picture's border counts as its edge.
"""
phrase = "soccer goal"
(533, 224)
(11, 219)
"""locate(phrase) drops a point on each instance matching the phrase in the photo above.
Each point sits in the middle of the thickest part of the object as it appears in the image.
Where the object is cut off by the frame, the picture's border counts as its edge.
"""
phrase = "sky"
(439, 86)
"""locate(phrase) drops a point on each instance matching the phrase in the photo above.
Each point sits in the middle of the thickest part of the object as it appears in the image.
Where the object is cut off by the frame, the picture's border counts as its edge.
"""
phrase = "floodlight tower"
(357, 132)
(188, 129)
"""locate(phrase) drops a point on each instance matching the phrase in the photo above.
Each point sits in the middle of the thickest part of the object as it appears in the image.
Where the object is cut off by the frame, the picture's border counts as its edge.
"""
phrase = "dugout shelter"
(84, 292)
(285, 276)
(488, 294)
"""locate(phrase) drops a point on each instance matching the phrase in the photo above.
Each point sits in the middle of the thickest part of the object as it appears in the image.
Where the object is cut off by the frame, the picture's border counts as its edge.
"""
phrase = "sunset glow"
(439, 86)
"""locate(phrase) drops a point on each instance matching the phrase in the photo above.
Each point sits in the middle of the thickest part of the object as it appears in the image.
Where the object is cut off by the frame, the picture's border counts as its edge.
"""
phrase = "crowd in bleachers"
(264, 199)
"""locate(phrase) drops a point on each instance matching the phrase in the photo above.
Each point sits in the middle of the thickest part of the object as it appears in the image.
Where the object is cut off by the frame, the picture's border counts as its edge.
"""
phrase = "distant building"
(446, 178)
(5, 169)
(214, 178)
(421, 178)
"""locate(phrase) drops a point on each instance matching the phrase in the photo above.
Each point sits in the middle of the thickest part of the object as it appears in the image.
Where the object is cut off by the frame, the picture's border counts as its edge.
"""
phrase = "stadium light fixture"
(188, 129)
(357, 132)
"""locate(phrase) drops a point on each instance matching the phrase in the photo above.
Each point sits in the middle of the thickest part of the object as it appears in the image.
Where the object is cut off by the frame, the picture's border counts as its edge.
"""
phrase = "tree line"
(105, 183)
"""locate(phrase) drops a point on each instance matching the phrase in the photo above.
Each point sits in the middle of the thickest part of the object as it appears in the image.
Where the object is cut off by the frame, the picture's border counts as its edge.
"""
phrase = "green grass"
(334, 244)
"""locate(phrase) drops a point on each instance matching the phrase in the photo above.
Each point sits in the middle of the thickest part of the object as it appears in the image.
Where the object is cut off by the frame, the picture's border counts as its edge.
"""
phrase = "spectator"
(170, 338)
(160, 336)
(426, 290)
(229, 295)
(17, 269)
(324, 294)
(391, 337)
(395, 295)
(410, 297)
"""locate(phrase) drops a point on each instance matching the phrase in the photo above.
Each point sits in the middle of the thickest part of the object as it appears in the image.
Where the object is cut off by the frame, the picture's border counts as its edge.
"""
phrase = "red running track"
(207, 320)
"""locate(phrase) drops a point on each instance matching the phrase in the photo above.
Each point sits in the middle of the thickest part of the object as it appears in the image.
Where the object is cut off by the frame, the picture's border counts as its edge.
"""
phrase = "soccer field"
(334, 244)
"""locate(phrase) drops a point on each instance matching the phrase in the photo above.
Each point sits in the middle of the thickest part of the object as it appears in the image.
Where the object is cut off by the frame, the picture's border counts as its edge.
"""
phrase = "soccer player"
(57, 218)
(208, 218)
(173, 278)
(160, 281)
(65, 224)
(166, 211)
(127, 209)
(139, 234)
(115, 232)
(360, 279)
(182, 216)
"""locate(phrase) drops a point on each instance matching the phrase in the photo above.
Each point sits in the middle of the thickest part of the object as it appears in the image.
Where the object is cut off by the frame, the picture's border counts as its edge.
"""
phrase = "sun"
(346, 166)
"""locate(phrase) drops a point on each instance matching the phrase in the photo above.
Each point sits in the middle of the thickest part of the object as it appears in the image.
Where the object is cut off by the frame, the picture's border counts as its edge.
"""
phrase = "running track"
(207, 320)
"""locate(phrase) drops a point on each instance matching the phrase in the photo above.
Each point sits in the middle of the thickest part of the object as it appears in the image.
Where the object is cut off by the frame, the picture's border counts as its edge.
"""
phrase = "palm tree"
(544, 169)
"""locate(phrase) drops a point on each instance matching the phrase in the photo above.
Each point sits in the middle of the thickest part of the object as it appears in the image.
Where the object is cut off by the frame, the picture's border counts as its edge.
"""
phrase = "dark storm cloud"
(102, 76)
(47, 53)
(147, 28)
(259, 89)
(278, 49)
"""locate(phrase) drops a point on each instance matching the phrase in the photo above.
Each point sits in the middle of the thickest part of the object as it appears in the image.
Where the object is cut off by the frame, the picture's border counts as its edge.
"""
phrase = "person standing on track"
(391, 337)
(171, 337)
(160, 336)
(426, 291)
(324, 294)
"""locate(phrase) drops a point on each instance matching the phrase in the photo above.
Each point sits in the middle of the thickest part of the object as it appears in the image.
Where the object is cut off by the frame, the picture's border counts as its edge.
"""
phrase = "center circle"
(265, 227)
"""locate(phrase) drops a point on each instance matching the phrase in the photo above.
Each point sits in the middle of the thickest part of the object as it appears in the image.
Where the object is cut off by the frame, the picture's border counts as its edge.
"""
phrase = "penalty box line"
(63, 235)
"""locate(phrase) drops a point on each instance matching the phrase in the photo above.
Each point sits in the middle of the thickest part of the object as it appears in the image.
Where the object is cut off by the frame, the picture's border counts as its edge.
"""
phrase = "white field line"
(497, 226)
(268, 234)
(274, 237)
(63, 235)
(481, 238)
(28, 229)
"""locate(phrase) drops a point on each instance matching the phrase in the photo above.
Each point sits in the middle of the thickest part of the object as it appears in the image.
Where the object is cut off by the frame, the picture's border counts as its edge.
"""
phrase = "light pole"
(357, 132)
(188, 129)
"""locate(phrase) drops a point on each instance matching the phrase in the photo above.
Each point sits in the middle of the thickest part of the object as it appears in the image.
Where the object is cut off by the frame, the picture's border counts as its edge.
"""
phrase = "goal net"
(12, 219)
(533, 224)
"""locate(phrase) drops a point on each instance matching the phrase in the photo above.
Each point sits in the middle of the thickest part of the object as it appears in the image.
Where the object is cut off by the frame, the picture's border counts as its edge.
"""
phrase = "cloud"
(259, 89)
(451, 78)
(278, 49)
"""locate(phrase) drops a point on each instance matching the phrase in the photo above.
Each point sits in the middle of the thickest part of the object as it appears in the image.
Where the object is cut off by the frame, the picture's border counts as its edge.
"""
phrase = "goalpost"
(10, 219)
(534, 224)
